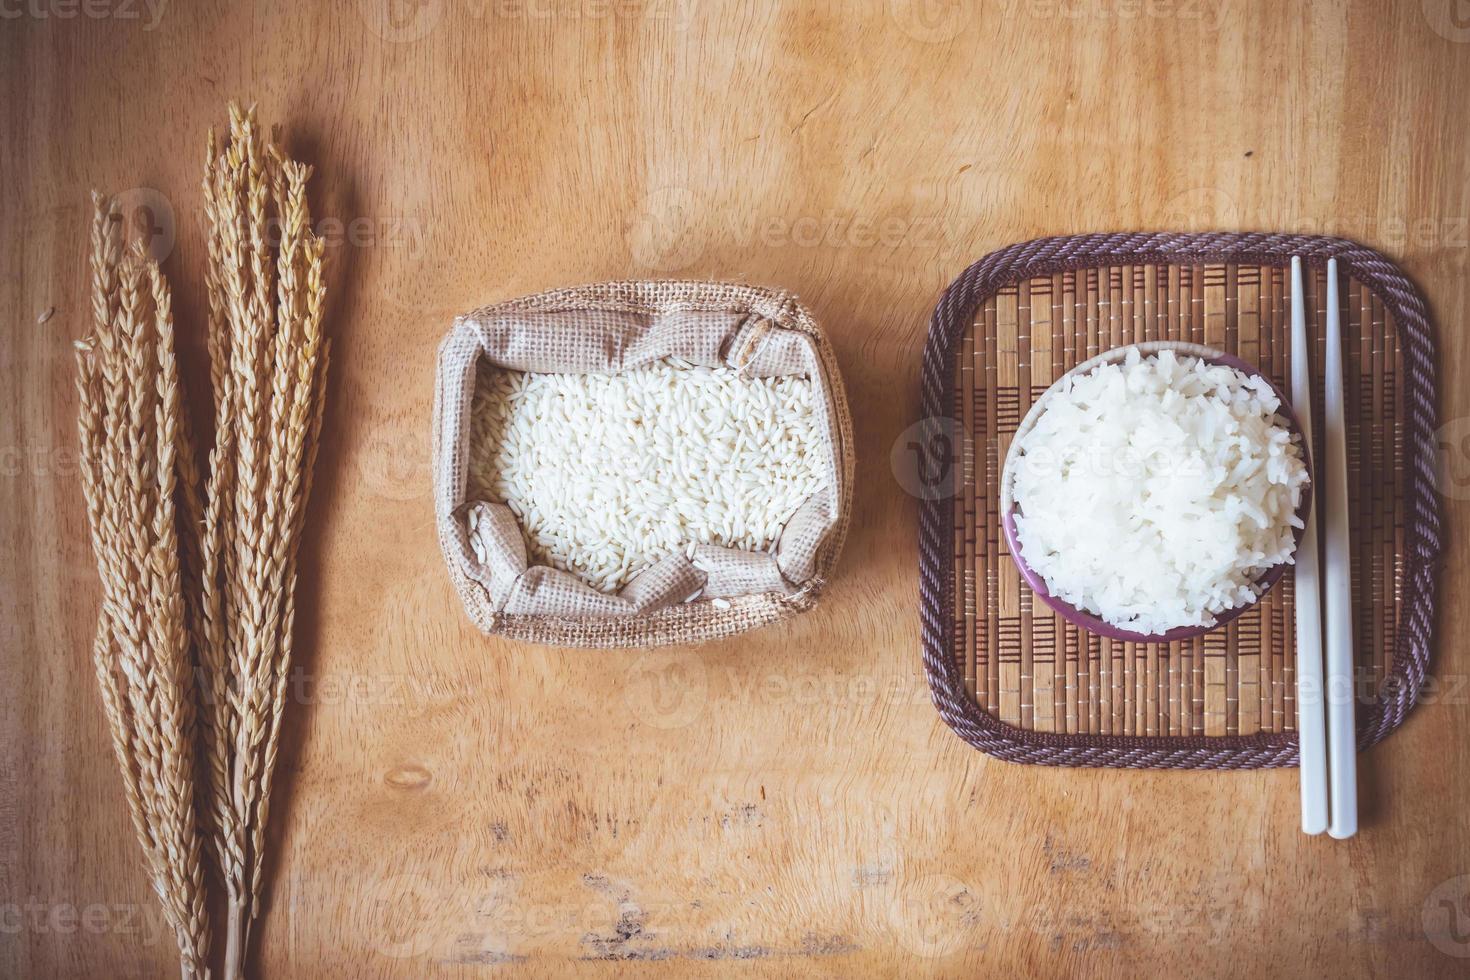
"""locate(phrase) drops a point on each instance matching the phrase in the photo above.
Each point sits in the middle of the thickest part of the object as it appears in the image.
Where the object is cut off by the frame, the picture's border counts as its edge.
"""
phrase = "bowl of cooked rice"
(1156, 491)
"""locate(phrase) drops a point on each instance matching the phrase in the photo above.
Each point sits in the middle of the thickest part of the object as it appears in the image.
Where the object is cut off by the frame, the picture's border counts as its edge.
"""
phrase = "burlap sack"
(607, 328)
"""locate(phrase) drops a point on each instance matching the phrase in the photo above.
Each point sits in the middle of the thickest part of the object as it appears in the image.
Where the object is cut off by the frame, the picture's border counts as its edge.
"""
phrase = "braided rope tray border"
(1423, 535)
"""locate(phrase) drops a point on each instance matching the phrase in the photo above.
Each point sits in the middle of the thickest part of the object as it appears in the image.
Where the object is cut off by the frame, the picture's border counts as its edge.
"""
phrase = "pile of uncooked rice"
(1154, 493)
(608, 473)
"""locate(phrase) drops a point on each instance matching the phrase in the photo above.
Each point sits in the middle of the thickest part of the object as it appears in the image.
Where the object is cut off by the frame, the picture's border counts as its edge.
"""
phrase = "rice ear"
(268, 360)
(133, 460)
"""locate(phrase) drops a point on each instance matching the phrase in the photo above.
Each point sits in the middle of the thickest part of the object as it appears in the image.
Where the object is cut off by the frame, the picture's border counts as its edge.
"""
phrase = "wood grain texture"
(787, 802)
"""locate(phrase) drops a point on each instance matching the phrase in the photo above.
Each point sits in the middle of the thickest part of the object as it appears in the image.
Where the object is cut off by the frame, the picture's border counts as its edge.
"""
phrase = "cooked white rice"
(1154, 493)
(607, 474)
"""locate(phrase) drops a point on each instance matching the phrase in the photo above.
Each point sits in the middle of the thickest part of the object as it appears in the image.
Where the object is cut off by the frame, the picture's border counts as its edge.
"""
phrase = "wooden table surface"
(784, 803)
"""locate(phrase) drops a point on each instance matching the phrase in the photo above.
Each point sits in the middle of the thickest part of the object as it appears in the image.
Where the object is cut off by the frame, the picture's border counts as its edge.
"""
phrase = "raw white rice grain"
(607, 474)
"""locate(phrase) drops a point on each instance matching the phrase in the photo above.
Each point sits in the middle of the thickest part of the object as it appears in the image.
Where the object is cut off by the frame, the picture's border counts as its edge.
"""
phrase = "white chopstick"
(1342, 749)
(1311, 722)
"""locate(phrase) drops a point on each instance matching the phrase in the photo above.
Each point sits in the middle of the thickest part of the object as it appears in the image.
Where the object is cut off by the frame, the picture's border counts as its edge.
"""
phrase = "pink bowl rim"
(1090, 621)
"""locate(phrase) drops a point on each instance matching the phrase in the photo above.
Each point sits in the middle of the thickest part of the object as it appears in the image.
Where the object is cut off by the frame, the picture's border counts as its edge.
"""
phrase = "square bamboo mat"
(1015, 680)
(1025, 665)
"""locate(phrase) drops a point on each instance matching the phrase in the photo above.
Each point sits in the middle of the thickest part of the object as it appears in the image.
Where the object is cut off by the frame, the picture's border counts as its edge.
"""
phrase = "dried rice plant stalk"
(268, 366)
(133, 461)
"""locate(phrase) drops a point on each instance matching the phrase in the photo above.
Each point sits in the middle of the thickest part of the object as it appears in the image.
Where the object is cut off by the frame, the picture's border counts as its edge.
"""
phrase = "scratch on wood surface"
(486, 957)
(1104, 940)
(808, 114)
(813, 944)
(632, 940)
(745, 815)
(1062, 859)
(499, 873)
(616, 948)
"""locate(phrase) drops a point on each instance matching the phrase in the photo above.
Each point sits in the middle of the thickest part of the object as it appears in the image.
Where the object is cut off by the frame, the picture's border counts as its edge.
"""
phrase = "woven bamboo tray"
(1016, 680)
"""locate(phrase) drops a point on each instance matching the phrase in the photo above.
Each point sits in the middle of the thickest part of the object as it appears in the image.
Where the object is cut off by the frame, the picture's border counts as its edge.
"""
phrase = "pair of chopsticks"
(1325, 722)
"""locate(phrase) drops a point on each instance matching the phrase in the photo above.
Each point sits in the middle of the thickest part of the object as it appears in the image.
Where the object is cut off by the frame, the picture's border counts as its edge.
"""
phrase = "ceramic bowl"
(1091, 621)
